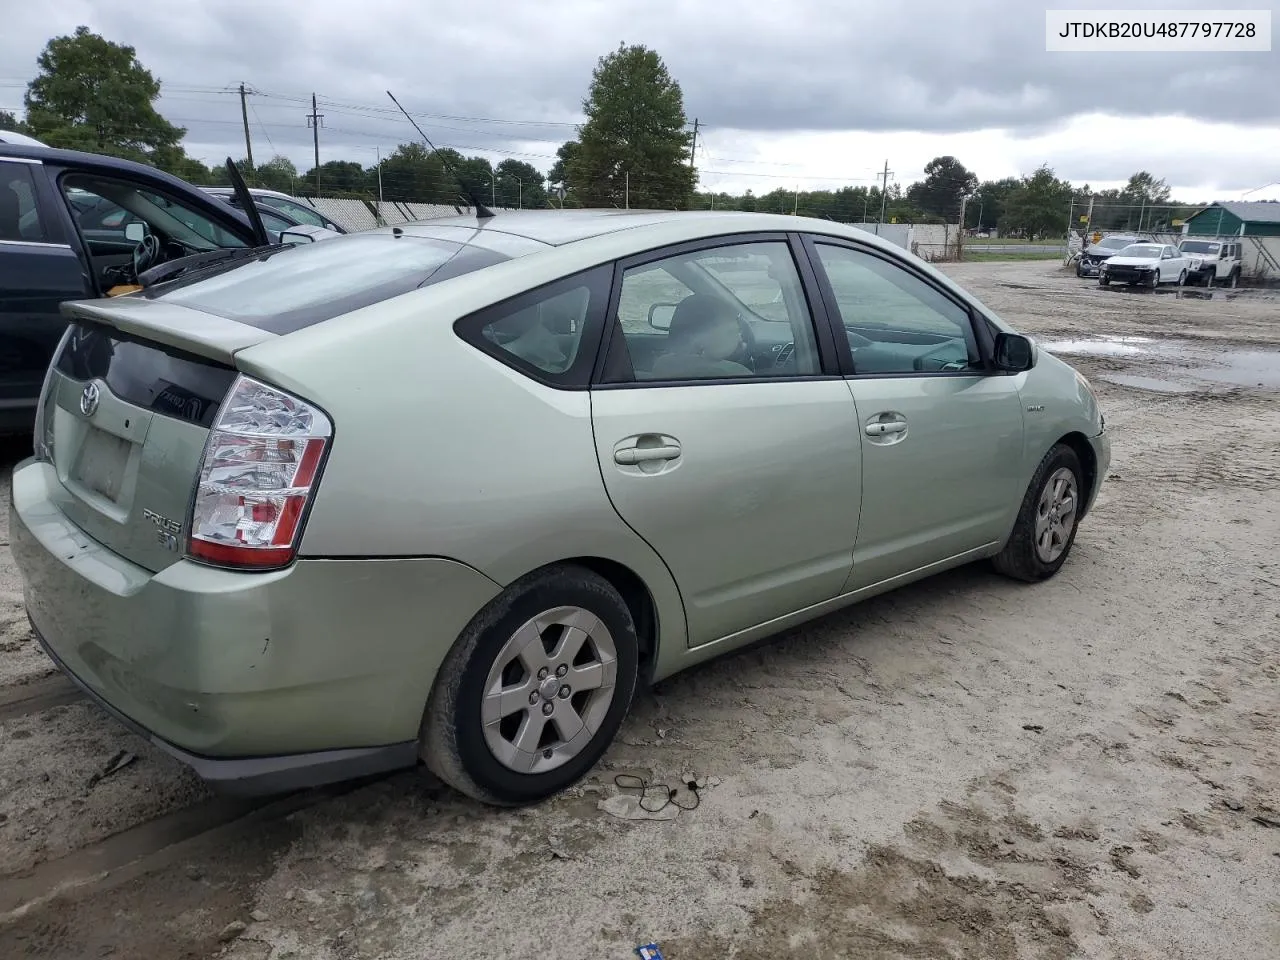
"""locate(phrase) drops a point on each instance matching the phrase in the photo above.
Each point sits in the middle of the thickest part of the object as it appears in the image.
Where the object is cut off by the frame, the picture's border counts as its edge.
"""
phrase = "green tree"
(558, 176)
(10, 122)
(990, 201)
(337, 178)
(278, 173)
(945, 181)
(92, 94)
(520, 184)
(474, 173)
(1038, 207)
(634, 142)
(1143, 186)
(414, 174)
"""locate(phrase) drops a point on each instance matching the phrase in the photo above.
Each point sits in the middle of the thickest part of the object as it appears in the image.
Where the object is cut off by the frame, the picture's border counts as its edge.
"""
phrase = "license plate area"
(102, 463)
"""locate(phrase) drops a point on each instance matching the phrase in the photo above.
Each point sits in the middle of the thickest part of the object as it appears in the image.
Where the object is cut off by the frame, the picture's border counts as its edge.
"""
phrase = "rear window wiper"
(203, 264)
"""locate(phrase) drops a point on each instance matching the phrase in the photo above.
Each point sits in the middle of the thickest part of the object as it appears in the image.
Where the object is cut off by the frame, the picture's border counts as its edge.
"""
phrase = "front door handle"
(882, 427)
(631, 456)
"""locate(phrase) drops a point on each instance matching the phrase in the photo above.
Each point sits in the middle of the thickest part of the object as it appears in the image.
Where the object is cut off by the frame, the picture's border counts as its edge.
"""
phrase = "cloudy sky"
(810, 95)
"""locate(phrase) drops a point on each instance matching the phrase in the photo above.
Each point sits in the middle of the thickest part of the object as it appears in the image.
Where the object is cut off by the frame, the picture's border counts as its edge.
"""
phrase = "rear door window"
(19, 214)
(551, 334)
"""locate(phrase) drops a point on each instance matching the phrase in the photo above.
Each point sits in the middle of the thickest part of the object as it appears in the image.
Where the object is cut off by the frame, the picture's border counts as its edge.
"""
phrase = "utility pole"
(795, 206)
(964, 200)
(379, 155)
(313, 120)
(884, 195)
(627, 195)
(244, 115)
(693, 148)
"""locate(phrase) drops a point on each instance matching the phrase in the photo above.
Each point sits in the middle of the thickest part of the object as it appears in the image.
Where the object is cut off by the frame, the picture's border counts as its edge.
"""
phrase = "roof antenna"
(482, 212)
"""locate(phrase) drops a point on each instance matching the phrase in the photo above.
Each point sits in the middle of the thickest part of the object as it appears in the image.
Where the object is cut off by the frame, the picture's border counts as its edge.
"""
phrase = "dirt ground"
(966, 768)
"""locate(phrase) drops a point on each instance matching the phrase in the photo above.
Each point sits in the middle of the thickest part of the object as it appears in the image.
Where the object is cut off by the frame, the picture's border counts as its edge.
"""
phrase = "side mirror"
(660, 315)
(1013, 353)
(295, 236)
(135, 231)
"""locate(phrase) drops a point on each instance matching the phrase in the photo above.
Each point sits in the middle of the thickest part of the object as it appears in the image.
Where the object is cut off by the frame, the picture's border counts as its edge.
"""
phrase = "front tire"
(1234, 280)
(1182, 279)
(535, 689)
(1045, 529)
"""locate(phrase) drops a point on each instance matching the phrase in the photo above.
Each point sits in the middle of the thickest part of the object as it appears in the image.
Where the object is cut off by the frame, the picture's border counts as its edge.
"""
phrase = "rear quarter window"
(297, 286)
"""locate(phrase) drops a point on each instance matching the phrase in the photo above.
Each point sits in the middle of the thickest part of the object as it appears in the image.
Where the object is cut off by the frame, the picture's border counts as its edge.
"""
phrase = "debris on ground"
(630, 808)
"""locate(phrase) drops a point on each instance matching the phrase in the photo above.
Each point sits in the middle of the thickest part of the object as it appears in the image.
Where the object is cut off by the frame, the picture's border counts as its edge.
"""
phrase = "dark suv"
(75, 226)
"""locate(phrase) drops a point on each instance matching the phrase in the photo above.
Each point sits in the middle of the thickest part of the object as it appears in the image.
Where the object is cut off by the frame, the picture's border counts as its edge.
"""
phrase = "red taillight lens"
(261, 465)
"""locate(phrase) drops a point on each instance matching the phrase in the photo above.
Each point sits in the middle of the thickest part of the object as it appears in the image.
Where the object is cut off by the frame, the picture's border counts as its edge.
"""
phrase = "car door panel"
(37, 272)
(946, 481)
(747, 481)
(757, 512)
(942, 434)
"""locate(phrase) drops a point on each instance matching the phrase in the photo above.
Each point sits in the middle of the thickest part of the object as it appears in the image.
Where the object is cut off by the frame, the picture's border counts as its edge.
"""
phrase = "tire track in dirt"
(37, 696)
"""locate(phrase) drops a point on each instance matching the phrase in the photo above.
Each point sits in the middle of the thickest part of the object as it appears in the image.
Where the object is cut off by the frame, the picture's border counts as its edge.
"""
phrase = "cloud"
(913, 76)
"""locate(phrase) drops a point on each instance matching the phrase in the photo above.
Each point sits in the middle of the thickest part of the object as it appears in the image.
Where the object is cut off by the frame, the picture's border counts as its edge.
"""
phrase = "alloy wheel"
(549, 690)
(1055, 515)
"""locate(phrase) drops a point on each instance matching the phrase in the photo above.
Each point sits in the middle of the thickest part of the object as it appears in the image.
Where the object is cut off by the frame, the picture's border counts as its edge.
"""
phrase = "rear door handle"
(630, 456)
(880, 428)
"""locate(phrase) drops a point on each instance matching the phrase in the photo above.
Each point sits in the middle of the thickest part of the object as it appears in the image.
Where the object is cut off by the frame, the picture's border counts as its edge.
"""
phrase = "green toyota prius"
(448, 492)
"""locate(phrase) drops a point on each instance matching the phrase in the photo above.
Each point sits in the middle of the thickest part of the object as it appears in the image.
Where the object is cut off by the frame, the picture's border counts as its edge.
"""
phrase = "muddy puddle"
(1175, 366)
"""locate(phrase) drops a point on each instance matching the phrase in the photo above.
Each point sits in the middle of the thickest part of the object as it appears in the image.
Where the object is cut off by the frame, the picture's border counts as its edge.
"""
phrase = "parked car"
(12, 136)
(1212, 260)
(284, 228)
(1095, 255)
(300, 210)
(1150, 264)
(76, 225)
(452, 493)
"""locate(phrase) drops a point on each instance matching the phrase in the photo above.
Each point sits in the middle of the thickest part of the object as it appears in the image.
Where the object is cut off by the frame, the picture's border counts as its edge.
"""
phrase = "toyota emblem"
(89, 399)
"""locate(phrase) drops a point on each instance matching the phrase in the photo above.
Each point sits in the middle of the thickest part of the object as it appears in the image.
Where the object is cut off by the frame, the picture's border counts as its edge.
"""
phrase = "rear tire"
(1182, 279)
(561, 647)
(1234, 280)
(1045, 529)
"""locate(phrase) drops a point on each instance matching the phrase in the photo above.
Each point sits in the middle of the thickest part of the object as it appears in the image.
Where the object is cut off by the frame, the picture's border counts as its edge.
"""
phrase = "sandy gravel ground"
(966, 768)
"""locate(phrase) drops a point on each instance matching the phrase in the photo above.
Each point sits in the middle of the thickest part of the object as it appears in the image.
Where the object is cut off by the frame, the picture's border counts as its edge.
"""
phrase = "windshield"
(1146, 250)
(1199, 246)
(299, 212)
(1115, 243)
(297, 286)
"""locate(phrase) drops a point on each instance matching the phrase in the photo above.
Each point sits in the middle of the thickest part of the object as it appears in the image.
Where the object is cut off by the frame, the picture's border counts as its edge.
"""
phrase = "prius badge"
(89, 399)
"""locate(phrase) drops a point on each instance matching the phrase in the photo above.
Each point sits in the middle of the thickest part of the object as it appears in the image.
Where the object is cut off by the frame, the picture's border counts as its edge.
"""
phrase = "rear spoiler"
(192, 331)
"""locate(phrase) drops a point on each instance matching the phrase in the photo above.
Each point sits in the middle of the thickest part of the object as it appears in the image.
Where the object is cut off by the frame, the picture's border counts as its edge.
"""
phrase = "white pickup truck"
(1212, 261)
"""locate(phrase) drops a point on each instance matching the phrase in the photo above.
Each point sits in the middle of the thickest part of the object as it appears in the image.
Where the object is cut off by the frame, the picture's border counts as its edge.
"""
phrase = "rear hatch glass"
(286, 290)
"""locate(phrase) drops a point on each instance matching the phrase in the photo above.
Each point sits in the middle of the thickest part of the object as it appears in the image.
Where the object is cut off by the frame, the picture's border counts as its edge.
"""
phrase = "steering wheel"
(145, 254)
(746, 354)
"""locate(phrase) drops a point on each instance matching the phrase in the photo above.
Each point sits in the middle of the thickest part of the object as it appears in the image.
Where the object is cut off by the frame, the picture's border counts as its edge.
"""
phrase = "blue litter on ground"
(649, 951)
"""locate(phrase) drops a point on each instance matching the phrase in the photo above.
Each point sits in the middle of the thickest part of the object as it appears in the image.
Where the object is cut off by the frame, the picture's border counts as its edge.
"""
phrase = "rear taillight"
(261, 465)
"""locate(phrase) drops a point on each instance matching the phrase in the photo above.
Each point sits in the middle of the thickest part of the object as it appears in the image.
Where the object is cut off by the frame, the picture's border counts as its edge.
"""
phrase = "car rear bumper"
(251, 776)
(258, 681)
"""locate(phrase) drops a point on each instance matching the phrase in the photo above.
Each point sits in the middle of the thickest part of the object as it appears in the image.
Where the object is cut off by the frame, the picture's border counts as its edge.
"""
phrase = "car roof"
(12, 136)
(559, 227)
(253, 191)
